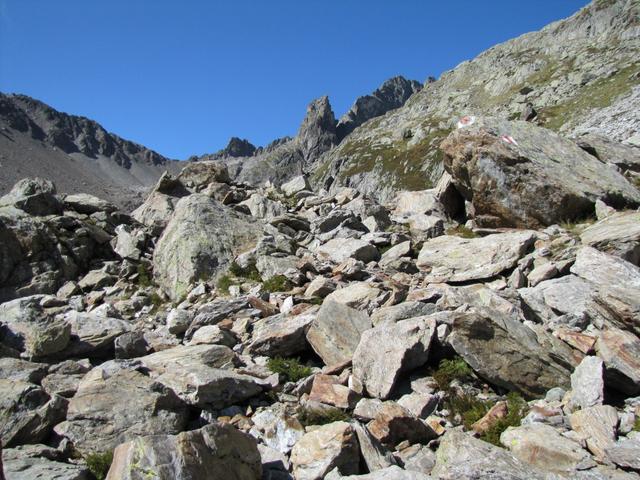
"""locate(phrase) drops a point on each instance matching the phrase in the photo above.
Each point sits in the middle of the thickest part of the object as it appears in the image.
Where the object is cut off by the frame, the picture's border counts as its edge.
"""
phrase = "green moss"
(307, 416)
(250, 272)
(636, 425)
(277, 283)
(462, 231)
(99, 464)
(290, 369)
(450, 370)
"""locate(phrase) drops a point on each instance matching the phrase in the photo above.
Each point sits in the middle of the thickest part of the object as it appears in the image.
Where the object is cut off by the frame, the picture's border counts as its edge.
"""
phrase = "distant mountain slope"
(580, 74)
(76, 153)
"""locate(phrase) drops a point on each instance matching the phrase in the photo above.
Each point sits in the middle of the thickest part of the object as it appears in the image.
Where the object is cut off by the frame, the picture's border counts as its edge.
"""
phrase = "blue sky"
(182, 77)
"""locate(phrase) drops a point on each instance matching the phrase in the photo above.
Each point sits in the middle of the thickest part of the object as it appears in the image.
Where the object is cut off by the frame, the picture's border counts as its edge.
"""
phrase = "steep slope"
(580, 74)
(76, 153)
(318, 133)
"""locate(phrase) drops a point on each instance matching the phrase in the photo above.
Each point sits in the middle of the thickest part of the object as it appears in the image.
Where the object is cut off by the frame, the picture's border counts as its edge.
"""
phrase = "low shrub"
(308, 416)
(452, 369)
(462, 231)
(99, 464)
(223, 284)
(277, 283)
(517, 409)
(289, 368)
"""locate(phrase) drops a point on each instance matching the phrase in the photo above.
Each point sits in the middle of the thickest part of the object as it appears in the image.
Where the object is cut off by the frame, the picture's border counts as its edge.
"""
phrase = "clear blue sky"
(182, 77)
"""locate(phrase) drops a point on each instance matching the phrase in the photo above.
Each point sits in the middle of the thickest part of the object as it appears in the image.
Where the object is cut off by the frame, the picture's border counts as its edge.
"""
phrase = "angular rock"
(625, 453)
(419, 404)
(617, 234)
(356, 295)
(394, 424)
(340, 249)
(27, 413)
(320, 287)
(390, 349)
(201, 375)
(587, 383)
(87, 204)
(544, 447)
(282, 335)
(21, 370)
(34, 196)
(330, 446)
(216, 452)
(336, 331)
(456, 259)
(401, 311)
(462, 457)
(620, 352)
(597, 426)
(295, 185)
(492, 343)
(392, 472)
(92, 335)
(277, 429)
(375, 456)
(198, 175)
(317, 133)
(200, 240)
(115, 404)
(328, 390)
(519, 175)
(396, 252)
(21, 464)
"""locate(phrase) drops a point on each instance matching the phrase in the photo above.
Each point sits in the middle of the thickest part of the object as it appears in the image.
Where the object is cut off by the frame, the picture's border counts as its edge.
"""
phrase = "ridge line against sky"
(183, 77)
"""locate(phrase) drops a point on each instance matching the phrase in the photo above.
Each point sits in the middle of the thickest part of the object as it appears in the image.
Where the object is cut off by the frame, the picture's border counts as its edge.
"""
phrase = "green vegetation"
(598, 94)
(462, 231)
(308, 416)
(277, 283)
(99, 463)
(517, 409)
(636, 425)
(250, 272)
(575, 227)
(470, 408)
(223, 284)
(450, 370)
(289, 368)
(144, 276)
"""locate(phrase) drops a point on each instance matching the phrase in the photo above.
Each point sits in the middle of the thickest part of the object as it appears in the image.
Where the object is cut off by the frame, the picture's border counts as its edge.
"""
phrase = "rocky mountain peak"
(317, 134)
(393, 93)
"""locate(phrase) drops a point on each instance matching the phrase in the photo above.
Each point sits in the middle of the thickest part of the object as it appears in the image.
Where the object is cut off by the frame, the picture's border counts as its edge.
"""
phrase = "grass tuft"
(462, 231)
(99, 464)
(308, 416)
(277, 283)
(452, 369)
(289, 368)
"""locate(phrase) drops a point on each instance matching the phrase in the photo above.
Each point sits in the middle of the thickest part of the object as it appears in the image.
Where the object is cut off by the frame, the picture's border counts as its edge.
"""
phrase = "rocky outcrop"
(317, 134)
(518, 175)
(393, 93)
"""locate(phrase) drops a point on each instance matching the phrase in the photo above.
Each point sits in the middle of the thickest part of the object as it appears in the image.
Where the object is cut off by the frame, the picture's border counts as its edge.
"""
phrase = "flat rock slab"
(335, 333)
(283, 334)
(597, 426)
(455, 259)
(340, 249)
(618, 234)
(202, 375)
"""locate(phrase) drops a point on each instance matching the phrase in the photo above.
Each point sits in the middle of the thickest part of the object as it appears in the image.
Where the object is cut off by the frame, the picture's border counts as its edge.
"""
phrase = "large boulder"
(202, 375)
(34, 196)
(617, 234)
(283, 334)
(340, 249)
(39, 462)
(199, 242)
(215, 452)
(116, 403)
(198, 175)
(492, 343)
(519, 175)
(336, 331)
(456, 259)
(405, 345)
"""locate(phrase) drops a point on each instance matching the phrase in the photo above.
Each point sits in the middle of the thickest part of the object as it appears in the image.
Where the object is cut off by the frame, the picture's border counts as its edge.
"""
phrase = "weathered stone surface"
(27, 329)
(544, 447)
(375, 456)
(587, 383)
(92, 335)
(328, 390)
(27, 413)
(607, 150)
(390, 349)
(212, 335)
(282, 335)
(216, 452)
(114, 404)
(87, 204)
(394, 424)
(625, 453)
(320, 287)
(198, 175)
(356, 295)
(403, 249)
(331, 446)
(22, 370)
(401, 311)
(295, 185)
(617, 234)
(277, 429)
(456, 259)
(201, 239)
(317, 133)
(420, 404)
(462, 457)
(620, 351)
(28, 464)
(537, 179)
(388, 473)
(202, 375)
(597, 426)
(493, 343)
(336, 331)
(340, 249)
(35, 196)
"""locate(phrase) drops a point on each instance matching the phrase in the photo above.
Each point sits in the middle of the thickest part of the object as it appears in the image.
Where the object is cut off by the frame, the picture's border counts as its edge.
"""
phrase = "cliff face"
(579, 75)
